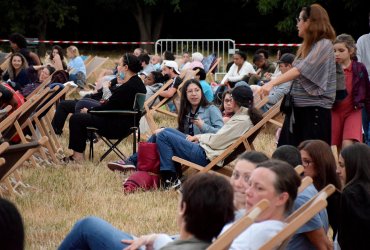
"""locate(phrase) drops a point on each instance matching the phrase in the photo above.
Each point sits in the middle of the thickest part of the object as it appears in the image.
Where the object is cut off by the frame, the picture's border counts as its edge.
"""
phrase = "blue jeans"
(171, 142)
(94, 233)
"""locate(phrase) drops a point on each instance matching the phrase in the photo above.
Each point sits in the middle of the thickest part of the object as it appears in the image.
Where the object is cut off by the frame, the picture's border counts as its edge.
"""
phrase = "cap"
(171, 64)
(243, 94)
(286, 58)
(197, 56)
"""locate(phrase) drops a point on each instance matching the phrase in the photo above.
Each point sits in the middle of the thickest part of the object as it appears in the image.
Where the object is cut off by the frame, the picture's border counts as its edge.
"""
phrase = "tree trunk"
(149, 29)
(43, 23)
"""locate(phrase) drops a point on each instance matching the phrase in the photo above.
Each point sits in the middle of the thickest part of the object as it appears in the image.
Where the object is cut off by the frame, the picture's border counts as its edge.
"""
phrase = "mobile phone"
(193, 118)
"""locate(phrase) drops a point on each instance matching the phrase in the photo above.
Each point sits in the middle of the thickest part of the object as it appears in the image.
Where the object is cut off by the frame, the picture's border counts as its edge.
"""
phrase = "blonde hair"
(73, 50)
(349, 42)
(319, 28)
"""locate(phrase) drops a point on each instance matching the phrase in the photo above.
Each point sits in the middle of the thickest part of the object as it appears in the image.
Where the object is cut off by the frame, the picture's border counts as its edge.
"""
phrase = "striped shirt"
(316, 85)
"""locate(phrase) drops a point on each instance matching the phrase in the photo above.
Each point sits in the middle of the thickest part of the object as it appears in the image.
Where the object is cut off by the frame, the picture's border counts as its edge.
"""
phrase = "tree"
(149, 14)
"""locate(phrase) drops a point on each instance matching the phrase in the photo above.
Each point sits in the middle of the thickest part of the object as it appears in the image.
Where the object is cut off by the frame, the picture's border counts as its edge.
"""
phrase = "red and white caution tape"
(128, 43)
(269, 44)
(79, 42)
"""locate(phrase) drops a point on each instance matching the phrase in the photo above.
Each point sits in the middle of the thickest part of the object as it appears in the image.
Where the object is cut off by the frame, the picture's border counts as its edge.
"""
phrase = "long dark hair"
(356, 160)
(254, 114)
(60, 52)
(324, 162)
(185, 106)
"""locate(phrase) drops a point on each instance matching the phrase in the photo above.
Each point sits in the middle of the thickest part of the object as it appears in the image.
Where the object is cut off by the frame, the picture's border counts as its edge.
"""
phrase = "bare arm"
(319, 239)
(168, 93)
(35, 58)
(287, 76)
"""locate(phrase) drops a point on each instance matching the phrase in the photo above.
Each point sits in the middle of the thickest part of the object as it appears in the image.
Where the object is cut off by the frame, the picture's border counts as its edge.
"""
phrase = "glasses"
(227, 100)
(306, 163)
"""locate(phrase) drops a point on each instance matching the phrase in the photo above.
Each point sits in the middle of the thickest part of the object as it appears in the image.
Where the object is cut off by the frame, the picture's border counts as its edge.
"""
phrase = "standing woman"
(18, 43)
(122, 98)
(16, 72)
(347, 114)
(354, 221)
(314, 80)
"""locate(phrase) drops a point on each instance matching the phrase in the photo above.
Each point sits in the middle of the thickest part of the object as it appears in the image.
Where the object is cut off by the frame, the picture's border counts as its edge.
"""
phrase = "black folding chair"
(112, 143)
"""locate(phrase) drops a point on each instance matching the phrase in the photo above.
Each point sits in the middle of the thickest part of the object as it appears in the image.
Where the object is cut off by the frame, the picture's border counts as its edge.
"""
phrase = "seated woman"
(196, 116)
(226, 107)
(10, 97)
(57, 58)
(277, 182)
(319, 163)
(354, 220)
(244, 166)
(16, 74)
(122, 98)
(206, 205)
(76, 66)
(153, 82)
(239, 69)
(203, 148)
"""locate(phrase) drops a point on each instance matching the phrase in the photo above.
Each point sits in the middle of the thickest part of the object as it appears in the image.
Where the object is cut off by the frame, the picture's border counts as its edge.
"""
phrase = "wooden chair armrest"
(187, 163)
(113, 112)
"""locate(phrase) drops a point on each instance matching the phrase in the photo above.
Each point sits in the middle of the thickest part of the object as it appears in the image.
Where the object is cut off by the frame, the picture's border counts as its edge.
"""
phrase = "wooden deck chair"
(5, 64)
(44, 125)
(13, 124)
(224, 241)
(306, 181)
(88, 59)
(151, 109)
(15, 156)
(3, 147)
(299, 169)
(210, 74)
(299, 218)
(4, 112)
(40, 87)
(244, 143)
(93, 65)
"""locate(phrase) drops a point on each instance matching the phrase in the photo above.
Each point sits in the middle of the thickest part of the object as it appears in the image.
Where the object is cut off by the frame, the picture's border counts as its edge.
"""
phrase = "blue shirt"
(212, 118)
(77, 64)
(299, 240)
(207, 89)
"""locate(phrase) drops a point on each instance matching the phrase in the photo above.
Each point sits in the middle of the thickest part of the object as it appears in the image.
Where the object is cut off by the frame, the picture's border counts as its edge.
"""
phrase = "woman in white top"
(240, 69)
(277, 182)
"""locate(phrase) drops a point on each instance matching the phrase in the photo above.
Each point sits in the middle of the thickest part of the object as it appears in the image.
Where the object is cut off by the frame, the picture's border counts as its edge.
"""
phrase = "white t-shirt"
(256, 235)
(233, 75)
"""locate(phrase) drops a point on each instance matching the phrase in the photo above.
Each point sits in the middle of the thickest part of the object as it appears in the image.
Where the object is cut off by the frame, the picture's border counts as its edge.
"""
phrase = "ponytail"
(255, 115)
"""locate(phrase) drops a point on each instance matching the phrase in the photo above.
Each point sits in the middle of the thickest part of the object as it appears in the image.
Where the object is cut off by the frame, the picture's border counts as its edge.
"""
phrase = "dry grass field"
(61, 194)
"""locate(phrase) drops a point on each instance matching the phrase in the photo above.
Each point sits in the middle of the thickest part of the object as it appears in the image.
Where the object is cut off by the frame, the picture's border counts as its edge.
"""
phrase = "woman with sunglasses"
(314, 80)
(121, 98)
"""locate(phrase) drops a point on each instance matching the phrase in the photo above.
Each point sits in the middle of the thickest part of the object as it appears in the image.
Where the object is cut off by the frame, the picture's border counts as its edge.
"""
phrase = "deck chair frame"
(299, 218)
(224, 241)
(245, 142)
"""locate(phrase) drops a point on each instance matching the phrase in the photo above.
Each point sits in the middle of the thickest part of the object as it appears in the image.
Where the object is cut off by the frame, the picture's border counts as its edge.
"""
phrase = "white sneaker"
(71, 83)
(85, 92)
